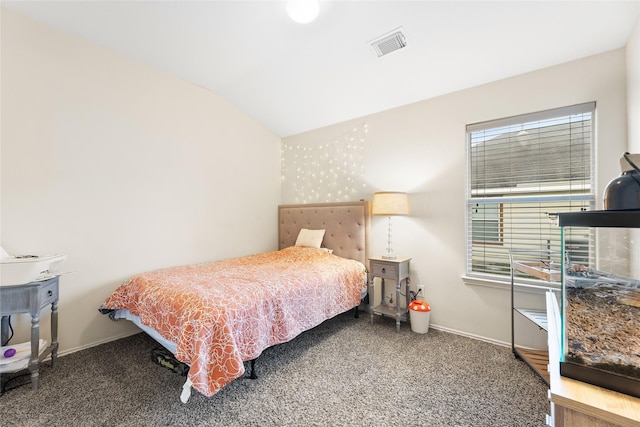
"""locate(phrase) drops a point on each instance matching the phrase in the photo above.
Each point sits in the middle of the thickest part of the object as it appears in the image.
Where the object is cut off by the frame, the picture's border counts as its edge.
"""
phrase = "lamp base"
(388, 257)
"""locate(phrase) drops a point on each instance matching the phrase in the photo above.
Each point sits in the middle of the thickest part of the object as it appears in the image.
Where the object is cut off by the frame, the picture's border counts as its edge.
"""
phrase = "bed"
(216, 316)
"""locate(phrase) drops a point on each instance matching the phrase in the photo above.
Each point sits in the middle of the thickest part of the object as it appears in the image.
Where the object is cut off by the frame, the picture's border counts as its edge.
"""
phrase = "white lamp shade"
(390, 203)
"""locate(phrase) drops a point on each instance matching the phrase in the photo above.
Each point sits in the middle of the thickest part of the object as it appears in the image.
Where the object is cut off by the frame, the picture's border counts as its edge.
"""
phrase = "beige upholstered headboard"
(347, 226)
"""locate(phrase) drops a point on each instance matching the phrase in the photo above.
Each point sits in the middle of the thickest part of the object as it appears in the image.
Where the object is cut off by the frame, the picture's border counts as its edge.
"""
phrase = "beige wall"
(420, 148)
(123, 168)
(633, 88)
(633, 115)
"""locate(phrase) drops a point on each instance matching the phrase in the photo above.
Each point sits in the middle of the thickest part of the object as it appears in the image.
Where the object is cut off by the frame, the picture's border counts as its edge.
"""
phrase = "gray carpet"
(345, 372)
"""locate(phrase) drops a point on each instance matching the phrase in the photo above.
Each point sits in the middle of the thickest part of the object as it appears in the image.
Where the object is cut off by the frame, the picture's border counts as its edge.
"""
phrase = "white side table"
(32, 298)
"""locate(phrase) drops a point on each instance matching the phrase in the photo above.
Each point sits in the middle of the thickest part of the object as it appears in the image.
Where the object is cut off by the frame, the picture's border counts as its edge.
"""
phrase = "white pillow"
(310, 238)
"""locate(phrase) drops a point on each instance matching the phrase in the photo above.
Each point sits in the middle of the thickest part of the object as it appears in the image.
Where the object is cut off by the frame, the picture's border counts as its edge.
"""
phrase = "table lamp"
(390, 203)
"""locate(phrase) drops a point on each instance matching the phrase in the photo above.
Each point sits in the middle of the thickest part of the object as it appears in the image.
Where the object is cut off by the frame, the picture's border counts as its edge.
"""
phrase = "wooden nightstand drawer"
(48, 293)
(386, 271)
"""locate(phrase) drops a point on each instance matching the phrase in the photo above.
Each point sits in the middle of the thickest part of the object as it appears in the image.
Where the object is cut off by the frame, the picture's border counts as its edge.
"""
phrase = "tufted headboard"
(347, 226)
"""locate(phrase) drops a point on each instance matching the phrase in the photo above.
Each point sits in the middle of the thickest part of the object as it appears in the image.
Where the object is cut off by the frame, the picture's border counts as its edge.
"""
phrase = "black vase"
(623, 192)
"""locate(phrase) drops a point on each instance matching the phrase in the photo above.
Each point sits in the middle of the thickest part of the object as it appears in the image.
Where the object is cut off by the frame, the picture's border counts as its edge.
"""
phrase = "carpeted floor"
(345, 372)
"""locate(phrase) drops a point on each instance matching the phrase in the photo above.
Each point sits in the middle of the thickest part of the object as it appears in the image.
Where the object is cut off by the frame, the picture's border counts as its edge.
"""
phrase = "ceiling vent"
(389, 42)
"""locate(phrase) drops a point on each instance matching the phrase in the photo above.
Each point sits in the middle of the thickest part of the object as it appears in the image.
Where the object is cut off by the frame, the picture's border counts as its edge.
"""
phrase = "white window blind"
(520, 169)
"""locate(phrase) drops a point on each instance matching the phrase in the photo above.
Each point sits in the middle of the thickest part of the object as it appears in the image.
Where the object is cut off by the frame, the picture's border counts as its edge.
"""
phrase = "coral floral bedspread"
(226, 312)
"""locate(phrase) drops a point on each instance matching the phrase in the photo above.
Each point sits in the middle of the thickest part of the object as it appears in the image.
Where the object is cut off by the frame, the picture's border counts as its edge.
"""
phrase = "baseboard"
(94, 344)
(468, 335)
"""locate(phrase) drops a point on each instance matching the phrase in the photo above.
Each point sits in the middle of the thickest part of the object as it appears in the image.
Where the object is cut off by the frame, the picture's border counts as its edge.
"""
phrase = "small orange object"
(418, 305)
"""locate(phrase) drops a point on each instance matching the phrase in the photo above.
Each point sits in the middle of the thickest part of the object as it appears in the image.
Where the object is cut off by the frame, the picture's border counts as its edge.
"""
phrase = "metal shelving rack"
(533, 264)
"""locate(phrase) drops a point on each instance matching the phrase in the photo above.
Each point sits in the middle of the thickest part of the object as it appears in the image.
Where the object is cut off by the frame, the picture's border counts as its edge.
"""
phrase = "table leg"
(408, 298)
(398, 308)
(370, 293)
(54, 333)
(4, 330)
(35, 349)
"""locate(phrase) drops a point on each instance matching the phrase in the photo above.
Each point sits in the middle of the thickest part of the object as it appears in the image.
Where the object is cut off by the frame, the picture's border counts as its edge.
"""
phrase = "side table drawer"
(386, 271)
(48, 294)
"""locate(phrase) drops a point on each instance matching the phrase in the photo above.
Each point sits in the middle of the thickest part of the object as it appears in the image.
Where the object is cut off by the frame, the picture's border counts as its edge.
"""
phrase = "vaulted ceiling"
(296, 77)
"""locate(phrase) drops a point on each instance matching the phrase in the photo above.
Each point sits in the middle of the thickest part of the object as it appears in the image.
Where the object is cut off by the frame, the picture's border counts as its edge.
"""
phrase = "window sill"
(533, 287)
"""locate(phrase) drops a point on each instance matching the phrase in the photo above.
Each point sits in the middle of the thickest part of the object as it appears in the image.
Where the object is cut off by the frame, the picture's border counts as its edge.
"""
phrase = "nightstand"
(395, 270)
(32, 298)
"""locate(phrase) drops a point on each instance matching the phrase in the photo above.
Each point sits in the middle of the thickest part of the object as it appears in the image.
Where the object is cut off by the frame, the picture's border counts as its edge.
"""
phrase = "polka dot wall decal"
(328, 171)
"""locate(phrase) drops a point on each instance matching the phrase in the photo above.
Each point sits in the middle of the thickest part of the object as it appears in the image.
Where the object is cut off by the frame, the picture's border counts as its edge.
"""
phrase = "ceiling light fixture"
(303, 11)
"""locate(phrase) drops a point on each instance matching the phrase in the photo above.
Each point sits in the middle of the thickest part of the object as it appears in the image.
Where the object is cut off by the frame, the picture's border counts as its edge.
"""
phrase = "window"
(520, 169)
(486, 223)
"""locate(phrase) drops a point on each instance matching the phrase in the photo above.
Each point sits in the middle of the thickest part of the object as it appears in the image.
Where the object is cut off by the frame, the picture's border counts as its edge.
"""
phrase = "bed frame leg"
(357, 312)
(253, 375)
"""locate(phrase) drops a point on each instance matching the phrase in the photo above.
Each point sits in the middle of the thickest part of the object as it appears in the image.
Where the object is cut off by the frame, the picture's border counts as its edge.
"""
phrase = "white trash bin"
(419, 316)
